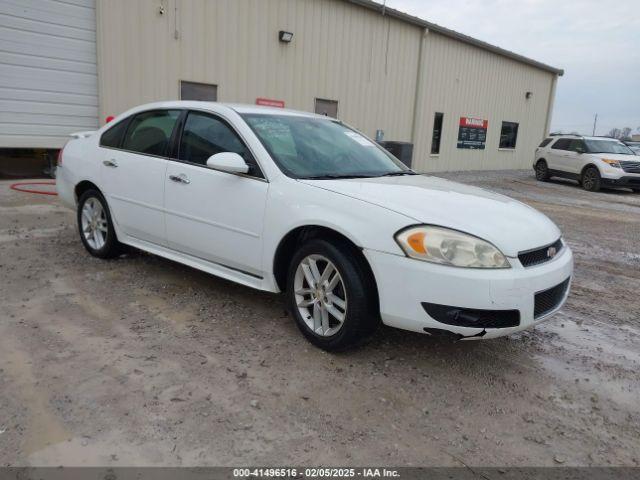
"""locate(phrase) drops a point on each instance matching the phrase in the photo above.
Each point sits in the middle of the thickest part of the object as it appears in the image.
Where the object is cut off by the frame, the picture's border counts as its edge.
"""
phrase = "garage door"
(48, 73)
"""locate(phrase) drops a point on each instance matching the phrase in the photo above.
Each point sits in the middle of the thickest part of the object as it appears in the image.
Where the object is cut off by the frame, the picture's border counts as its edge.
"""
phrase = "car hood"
(508, 224)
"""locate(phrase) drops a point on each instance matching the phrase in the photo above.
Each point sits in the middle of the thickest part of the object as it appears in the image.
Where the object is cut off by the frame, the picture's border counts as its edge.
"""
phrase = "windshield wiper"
(397, 174)
(333, 176)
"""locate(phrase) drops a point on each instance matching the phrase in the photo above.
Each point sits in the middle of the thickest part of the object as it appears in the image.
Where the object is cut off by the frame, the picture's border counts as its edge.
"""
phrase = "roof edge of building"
(405, 17)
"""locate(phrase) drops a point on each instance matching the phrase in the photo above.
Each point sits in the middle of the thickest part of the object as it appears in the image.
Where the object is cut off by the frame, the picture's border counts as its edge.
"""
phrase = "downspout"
(552, 96)
(419, 93)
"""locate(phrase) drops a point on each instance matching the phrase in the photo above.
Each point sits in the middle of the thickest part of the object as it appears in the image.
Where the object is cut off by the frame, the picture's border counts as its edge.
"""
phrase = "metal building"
(462, 103)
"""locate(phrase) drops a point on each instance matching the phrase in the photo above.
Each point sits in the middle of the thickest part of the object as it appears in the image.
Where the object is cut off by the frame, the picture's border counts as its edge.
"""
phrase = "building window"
(437, 133)
(328, 108)
(508, 135)
(198, 91)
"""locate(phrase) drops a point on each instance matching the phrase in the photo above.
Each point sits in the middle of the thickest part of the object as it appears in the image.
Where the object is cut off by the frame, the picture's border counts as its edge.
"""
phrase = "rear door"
(133, 175)
(210, 214)
(557, 154)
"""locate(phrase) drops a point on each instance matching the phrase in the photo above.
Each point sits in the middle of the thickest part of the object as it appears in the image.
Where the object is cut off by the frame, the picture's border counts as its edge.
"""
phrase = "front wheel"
(591, 180)
(96, 228)
(331, 295)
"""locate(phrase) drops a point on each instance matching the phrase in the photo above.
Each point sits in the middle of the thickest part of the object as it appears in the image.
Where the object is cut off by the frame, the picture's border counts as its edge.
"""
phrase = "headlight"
(449, 247)
(612, 163)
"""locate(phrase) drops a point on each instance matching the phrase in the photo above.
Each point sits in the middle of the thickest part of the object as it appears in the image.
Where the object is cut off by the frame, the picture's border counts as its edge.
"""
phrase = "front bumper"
(628, 181)
(404, 284)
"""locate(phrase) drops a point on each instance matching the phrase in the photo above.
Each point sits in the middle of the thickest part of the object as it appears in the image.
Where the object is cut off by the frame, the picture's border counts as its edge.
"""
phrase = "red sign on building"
(269, 102)
(472, 133)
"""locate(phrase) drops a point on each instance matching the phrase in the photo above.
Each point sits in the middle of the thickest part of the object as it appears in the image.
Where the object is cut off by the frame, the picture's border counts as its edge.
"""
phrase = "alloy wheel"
(589, 179)
(94, 223)
(320, 295)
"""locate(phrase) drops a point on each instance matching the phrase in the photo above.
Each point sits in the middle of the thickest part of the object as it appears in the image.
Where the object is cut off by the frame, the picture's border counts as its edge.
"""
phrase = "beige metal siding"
(339, 52)
(463, 80)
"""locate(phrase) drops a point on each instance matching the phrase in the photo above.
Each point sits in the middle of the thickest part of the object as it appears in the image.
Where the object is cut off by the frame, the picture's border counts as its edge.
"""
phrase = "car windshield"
(607, 146)
(307, 147)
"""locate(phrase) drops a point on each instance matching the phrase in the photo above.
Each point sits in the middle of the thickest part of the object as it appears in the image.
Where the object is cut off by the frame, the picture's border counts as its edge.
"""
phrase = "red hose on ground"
(23, 187)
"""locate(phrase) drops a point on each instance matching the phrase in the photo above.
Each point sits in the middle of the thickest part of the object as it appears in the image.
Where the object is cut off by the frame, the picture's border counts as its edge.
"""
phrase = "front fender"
(293, 204)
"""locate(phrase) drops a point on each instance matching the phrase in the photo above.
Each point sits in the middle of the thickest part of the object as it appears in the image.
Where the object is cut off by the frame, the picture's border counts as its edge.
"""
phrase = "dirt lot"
(141, 361)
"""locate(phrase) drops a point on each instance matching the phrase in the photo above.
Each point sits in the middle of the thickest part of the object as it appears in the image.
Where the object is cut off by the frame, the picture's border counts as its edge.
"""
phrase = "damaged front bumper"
(440, 300)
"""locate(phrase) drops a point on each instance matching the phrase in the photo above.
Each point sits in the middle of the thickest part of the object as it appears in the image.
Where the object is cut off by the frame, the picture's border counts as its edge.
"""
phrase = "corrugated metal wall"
(461, 80)
(48, 73)
(339, 52)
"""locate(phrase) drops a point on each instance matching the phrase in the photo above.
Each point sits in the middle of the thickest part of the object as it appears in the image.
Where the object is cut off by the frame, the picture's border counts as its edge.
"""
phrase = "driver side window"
(205, 135)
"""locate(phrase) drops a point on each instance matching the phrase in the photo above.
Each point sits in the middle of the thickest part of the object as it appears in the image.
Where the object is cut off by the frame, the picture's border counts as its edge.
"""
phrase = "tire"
(353, 297)
(96, 227)
(591, 180)
(542, 171)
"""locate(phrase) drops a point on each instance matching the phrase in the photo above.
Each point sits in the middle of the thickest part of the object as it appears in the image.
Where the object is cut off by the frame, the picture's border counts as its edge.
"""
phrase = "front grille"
(630, 167)
(549, 300)
(540, 255)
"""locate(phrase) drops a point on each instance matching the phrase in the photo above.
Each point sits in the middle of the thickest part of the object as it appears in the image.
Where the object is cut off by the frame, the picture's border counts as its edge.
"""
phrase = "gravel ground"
(142, 361)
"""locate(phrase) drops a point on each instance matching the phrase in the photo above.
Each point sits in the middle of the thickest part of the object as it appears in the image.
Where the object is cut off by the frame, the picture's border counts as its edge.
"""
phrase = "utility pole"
(595, 121)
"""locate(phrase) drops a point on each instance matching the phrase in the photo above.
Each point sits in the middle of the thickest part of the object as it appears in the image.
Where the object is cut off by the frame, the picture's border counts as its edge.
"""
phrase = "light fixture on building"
(528, 95)
(285, 37)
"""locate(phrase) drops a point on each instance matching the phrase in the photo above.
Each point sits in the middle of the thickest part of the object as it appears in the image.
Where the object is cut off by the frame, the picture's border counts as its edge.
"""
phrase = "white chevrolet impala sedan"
(291, 202)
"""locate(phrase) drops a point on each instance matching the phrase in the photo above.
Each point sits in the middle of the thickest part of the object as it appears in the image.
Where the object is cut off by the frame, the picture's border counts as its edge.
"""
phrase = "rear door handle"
(182, 178)
(110, 163)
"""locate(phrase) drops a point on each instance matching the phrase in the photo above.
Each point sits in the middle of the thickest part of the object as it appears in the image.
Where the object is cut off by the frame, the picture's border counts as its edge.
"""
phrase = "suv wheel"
(542, 171)
(591, 179)
(330, 295)
(96, 228)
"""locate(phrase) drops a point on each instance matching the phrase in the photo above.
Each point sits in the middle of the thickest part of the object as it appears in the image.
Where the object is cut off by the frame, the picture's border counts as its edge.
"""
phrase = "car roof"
(584, 137)
(218, 106)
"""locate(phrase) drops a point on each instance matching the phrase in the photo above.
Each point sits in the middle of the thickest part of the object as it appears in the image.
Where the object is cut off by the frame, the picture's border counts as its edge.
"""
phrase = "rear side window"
(112, 138)
(545, 142)
(149, 132)
(562, 144)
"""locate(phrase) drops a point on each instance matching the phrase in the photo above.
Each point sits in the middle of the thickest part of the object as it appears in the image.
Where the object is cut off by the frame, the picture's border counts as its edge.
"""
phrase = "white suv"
(593, 161)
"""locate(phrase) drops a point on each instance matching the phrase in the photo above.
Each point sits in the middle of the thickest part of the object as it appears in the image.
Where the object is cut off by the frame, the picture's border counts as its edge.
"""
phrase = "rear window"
(545, 142)
(149, 132)
(112, 138)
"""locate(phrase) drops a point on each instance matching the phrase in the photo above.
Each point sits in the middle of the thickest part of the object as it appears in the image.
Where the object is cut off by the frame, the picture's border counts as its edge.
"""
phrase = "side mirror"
(580, 150)
(228, 162)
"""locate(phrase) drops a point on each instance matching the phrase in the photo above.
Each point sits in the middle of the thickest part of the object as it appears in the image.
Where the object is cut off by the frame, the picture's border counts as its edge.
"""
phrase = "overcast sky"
(596, 42)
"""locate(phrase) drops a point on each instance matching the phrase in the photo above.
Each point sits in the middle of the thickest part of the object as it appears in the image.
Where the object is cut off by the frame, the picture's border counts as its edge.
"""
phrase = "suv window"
(545, 142)
(112, 137)
(562, 144)
(577, 145)
(149, 132)
(205, 135)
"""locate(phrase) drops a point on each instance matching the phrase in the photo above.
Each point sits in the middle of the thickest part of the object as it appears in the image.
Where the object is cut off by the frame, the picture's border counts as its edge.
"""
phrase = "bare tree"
(614, 133)
(626, 132)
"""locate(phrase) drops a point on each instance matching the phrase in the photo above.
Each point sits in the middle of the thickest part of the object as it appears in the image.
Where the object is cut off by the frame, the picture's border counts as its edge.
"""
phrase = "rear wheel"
(591, 180)
(542, 171)
(95, 226)
(330, 295)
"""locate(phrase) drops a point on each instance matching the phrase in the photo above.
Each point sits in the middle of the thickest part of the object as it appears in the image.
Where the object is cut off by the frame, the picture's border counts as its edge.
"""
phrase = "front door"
(133, 175)
(214, 215)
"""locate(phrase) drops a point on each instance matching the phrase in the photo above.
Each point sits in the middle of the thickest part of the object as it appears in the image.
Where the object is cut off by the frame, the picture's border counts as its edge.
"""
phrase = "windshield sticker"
(359, 138)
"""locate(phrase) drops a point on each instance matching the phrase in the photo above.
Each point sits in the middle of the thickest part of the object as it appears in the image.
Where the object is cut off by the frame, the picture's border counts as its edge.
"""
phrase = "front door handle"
(182, 178)
(110, 163)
